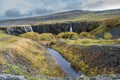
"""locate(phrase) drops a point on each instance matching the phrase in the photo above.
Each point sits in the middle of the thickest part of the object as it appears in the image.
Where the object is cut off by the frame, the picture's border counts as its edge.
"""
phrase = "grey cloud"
(26, 8)
(39, 11)
(92, 4)
(12, 13)
(15, 13)
(100, 4)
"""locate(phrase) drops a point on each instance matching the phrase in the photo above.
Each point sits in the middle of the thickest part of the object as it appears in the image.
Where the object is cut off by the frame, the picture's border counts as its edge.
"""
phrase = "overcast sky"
(25, 8)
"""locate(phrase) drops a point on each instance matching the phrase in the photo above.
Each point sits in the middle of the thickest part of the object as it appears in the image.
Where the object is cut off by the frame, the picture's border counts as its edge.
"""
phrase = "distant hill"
(66, 16)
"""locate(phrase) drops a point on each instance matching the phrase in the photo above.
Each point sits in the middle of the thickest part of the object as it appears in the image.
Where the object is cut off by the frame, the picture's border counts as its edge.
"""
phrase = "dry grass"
(2, 59)
(6, 39)
(93, 41)
(31, 52)
(26, 53)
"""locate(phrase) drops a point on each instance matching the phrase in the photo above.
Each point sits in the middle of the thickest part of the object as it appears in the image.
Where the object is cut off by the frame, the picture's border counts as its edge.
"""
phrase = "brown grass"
(2, 59)
(29, 50)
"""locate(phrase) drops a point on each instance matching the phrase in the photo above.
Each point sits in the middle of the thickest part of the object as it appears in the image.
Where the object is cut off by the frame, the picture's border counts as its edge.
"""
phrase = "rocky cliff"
(54, 28)
(64, 27)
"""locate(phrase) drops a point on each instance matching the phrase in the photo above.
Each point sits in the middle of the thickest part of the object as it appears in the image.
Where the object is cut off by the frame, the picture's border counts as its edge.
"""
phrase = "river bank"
(63, 63)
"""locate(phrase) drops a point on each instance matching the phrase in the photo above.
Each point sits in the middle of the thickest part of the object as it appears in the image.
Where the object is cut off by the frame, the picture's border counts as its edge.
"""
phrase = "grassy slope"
(26, 57)
(76, 15)
(106, 25)
(87, 42)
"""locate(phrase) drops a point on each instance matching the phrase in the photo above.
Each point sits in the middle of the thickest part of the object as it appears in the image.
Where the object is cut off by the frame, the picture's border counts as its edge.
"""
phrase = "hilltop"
(75, 15)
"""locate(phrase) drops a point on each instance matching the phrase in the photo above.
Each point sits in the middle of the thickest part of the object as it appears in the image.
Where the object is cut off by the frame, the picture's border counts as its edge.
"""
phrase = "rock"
(57, 28)
(105, 77)
(11, 77)
(54, 28)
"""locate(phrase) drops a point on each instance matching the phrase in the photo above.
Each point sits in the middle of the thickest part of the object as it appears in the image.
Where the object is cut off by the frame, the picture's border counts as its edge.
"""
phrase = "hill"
(74, 15)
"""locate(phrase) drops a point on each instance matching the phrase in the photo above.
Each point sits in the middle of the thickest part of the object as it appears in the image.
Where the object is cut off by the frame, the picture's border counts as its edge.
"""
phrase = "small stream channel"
(63, 63)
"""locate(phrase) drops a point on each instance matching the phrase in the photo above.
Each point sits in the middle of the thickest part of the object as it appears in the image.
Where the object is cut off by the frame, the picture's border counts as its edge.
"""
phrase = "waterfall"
(8, 30)
(31, 28)
(28, 28)
(71, 29)
(25, 29)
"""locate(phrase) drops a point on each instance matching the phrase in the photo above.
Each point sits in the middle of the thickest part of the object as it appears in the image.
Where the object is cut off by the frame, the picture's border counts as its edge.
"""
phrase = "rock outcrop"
(54, 28)
(65, 27)
(115, 32)
(17, 29)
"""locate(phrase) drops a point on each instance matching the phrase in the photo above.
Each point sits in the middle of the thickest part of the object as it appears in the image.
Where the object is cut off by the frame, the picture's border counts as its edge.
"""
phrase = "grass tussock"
(68, 35)
(31, 35)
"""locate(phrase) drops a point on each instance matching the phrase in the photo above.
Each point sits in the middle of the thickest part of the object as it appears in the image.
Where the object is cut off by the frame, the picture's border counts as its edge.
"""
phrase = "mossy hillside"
(105, 26)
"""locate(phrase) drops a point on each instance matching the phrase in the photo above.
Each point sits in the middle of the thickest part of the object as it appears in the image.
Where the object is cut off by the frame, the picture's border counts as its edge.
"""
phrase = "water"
(31, 28)
(64, 64)
(25, 29)
(28, 28)
(71, 29)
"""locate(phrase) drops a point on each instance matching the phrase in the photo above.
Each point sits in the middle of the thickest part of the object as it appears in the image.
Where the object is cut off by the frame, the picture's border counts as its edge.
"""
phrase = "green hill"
(74, 15)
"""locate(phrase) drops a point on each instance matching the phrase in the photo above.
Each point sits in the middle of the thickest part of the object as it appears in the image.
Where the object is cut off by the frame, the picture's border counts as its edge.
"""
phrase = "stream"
(63, 63)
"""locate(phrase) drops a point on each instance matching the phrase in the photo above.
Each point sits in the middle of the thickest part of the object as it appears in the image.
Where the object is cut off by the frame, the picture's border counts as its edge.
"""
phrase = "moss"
(85, 34)
(13, 69)
(107, 35)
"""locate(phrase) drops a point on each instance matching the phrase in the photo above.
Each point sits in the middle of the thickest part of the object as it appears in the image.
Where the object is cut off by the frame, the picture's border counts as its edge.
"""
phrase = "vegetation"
(93, 42)
(77, 52)
(80, 61)
(26, 57)
(85, 35)
(44, 38)
(2, 59)
(31, 35)
(6, 40)
(107, 35)
(68, 35)
(82, 16)
(47, 37)
(105, 26)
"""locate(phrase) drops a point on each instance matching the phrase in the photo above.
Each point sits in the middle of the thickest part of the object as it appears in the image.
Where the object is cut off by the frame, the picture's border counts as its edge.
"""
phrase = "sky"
(27, 8)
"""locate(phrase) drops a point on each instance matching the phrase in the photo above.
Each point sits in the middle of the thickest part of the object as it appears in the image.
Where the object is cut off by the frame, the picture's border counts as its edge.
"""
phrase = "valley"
(70, 45)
